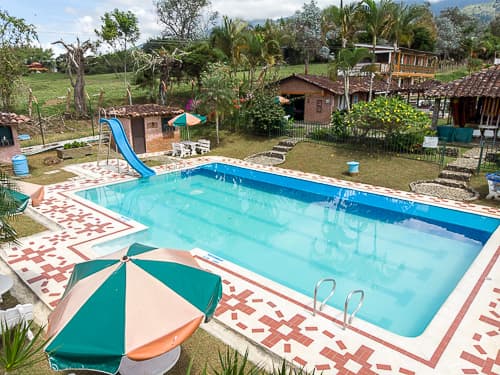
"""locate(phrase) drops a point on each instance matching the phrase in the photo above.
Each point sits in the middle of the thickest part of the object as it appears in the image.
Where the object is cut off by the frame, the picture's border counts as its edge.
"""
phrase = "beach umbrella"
(138, 303)
(187, 119)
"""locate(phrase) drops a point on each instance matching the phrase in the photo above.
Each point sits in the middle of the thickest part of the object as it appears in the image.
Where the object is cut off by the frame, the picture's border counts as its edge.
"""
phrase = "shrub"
(339, 126)
(74, 144)
(391, 115)
(264, 115)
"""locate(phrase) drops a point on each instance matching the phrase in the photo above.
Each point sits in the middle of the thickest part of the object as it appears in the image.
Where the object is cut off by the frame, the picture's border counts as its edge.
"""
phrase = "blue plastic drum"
(20, 165)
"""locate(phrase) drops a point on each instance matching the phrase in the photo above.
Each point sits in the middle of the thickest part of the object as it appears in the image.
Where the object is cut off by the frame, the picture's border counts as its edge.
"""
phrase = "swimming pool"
(406, 256)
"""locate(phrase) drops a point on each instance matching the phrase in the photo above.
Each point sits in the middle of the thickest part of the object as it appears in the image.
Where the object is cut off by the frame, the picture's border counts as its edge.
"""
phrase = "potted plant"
(74, 150)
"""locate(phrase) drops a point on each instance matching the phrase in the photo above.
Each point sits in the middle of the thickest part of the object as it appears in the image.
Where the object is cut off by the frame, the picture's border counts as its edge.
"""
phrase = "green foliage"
(391, 115)
(231, 364)
(339, 127)
(17, 351)
(285, 369)
(119, 27)
(14, 35)
(75, 144)
(8, 207)
(264, 115)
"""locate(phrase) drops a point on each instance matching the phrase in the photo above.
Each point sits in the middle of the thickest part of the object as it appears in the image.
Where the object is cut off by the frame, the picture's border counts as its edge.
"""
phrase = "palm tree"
(376, 17)
(218, 92)
(345, 61)
(230, 39)
(343, 20)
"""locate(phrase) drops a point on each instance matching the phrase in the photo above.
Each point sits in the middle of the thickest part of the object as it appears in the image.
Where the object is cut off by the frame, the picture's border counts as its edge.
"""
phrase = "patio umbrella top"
(187, 119)
(138, 302)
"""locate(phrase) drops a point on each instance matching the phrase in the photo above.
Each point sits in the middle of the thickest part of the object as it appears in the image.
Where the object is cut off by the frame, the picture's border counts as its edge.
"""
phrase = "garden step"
(455, 175)
(451, 182)
(275, 154)
(290, 142)
(282, 148)
(466, 165)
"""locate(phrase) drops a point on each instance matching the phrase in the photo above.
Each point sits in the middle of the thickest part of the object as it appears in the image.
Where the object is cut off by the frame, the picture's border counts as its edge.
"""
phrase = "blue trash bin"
(20, 165)
(353, 167)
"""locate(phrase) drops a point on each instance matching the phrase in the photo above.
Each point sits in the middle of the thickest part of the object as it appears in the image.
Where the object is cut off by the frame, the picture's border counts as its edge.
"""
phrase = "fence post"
(478, 169)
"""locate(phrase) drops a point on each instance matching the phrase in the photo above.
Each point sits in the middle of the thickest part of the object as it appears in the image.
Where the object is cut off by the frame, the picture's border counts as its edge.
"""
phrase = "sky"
(69, 19)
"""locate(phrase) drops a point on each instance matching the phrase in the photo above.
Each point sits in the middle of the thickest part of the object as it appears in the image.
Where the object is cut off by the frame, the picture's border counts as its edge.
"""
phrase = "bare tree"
(75, 59)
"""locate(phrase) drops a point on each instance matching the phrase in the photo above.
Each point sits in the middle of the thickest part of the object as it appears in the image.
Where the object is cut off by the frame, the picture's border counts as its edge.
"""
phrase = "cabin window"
(319, 106)
(6, 138)
(355, 98)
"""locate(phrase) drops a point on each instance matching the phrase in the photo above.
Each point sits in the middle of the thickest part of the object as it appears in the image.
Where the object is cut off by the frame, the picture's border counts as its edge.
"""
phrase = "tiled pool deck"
(463, 338)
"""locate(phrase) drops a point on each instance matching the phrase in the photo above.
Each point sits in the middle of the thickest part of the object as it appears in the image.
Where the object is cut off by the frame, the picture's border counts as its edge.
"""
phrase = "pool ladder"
(347, 317)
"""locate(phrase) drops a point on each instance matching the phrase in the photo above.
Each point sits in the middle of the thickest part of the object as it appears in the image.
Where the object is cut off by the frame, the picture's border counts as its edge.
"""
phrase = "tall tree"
(342, 21)
(119, 29)
(308, 31)
(185, 19)
(218, 92)
(15, 33)
(346, 60)
(378, 24)
(230, 39)
(75, 60)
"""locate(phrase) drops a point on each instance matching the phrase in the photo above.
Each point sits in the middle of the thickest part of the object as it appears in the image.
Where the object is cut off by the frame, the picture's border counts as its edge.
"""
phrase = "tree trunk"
(79, 92)
(217, 126)
(372, 75)
(346, 91)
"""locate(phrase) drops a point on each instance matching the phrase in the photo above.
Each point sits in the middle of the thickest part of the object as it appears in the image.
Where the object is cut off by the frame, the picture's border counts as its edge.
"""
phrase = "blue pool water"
(407, 257)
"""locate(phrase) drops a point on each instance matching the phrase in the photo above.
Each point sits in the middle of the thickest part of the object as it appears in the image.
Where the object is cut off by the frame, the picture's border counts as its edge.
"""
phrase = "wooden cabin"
(9, 142)
(146, 126)
(314, 98)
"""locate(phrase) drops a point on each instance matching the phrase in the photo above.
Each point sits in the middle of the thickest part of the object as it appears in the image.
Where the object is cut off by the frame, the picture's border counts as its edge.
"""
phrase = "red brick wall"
(318, 108)
(298, 87)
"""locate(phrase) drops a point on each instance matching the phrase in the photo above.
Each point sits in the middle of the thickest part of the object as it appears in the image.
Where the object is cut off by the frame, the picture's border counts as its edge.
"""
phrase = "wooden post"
(435, 112)
(68, 100)
(30, 102)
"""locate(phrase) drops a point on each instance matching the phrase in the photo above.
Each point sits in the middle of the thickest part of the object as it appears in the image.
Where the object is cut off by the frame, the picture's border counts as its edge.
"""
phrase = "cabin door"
(138, 135)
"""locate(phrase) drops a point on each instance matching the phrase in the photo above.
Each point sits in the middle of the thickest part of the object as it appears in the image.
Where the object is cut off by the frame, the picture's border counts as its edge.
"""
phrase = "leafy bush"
(391, 115)
(264, 115)
(74, 144)
(339, 126)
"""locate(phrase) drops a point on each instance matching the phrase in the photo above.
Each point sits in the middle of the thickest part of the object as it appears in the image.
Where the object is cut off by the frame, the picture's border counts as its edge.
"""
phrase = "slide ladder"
(122, 144)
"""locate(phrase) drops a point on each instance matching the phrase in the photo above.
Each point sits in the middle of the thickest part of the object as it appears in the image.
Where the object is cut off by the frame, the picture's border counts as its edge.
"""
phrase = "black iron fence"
(410, 145)
(488, 157)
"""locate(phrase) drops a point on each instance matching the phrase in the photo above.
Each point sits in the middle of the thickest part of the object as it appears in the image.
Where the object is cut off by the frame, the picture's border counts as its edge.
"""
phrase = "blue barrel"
(353, 167)
(20, 165)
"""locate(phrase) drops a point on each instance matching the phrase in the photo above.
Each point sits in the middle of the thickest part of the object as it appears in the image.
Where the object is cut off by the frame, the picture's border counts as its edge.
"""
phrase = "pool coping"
(91, 175)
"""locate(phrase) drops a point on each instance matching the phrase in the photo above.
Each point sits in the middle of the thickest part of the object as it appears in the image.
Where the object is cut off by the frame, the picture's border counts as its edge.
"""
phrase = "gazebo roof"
(143, 110)
(483, 83)
(7, 118)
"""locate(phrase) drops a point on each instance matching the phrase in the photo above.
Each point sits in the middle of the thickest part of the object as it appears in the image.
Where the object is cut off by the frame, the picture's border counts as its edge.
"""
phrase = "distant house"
(146, 126)
(314, 98)
(474, 99)
(407, 66)
(36, 67)
(9, 143)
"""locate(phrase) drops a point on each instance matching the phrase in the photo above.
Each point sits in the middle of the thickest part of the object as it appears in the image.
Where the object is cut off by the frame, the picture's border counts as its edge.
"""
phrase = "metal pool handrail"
(346, 306)
(318, 284)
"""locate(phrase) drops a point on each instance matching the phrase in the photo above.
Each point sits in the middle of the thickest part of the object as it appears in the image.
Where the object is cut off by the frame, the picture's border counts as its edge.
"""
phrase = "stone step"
(466, 165)
(290, 142)
(275, 154)
(451, 182)
(281, 148)
(455, 175)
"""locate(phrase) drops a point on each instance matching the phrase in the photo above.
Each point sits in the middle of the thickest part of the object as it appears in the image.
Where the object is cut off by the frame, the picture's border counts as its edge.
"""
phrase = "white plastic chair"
(17, 315)
(180, 150)
(203, 146)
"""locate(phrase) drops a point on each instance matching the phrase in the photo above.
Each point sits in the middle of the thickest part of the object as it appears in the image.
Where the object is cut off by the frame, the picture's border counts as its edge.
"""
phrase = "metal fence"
(489, 157)
(408, 145)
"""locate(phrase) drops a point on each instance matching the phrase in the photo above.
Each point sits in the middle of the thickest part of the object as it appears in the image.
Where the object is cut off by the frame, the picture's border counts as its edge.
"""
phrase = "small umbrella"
(187, 119)
(139, 302)
(281, 100)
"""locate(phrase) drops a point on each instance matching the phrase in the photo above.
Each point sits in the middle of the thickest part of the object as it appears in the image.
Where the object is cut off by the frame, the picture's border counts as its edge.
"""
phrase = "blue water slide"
(125, 148)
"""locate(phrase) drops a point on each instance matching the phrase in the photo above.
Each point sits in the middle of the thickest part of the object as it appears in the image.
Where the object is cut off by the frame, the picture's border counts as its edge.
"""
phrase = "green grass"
(451, 76)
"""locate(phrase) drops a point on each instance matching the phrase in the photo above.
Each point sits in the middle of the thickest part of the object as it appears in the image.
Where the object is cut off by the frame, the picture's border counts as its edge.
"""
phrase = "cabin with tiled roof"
(146, 126)
(313, 98)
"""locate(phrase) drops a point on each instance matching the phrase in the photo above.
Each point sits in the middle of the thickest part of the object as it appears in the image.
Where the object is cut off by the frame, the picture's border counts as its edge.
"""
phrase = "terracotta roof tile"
(356, 84)
(483, 83)
(142, 110)
(12, 119)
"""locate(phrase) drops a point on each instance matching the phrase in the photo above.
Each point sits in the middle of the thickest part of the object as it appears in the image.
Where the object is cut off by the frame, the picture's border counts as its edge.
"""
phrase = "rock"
(51, 160)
